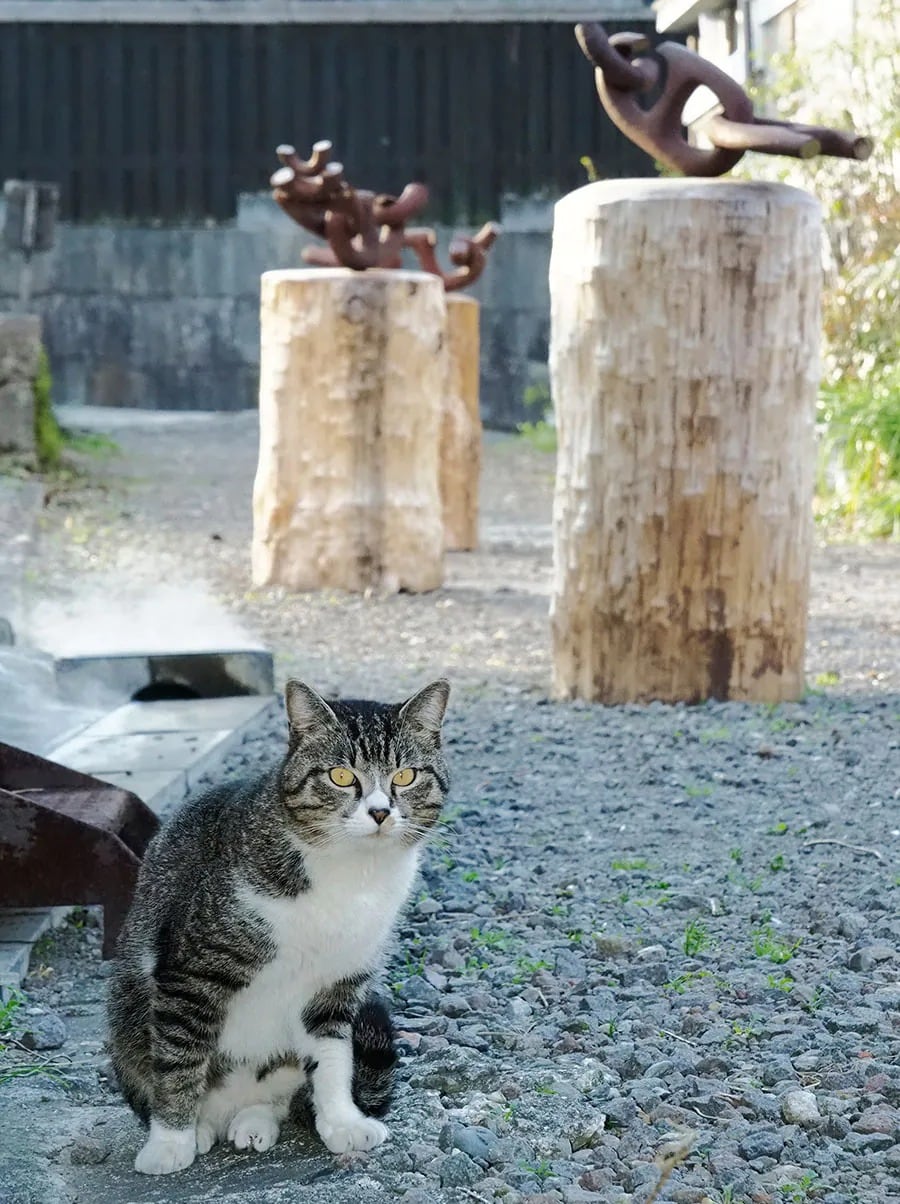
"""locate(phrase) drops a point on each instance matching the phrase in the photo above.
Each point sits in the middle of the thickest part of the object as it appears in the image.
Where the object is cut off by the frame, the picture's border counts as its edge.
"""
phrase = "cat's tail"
(374, 1058)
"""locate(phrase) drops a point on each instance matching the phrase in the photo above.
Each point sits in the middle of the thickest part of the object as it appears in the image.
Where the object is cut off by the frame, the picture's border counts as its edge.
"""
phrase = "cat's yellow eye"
(404, 777)
(341, 776)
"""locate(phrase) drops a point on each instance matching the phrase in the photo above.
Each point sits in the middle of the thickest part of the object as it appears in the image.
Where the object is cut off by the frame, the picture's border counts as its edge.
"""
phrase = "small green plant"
(528, 966)
(632, 863)
(540, 433)
(777, 862)
(545, 1089)
(490, 939)
(541, 1170)
(49, 438)
(470, 876)
(611, 1028)
(815, 1001)
(694, 791)
(774, 948)
(713, 735)
(590, 169)
(575, 935)
(696, 938)
(799, 1192)
(831, 678)
(681, 982)
(778, 829)
(780, 982)
(8, 1010)
(736, 855)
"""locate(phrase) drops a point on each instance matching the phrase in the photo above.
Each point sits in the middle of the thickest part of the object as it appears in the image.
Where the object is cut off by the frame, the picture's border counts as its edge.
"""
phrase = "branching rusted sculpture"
(364, 229)
(628, 71)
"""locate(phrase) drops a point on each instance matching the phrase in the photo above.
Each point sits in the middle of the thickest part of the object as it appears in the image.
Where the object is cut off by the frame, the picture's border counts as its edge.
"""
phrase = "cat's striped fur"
(243, 982)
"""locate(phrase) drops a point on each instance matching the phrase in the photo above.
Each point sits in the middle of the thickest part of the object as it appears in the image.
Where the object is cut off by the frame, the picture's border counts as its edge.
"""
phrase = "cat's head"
(364, 770)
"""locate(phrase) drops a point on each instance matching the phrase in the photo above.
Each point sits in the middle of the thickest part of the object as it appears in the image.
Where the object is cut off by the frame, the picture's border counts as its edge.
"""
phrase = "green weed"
(633, 863)
(774, 948)
(714, 735)
(799, 1192)
(694, 791)
(782, 982)
(830, 678)
(490, 939)
(696, 938)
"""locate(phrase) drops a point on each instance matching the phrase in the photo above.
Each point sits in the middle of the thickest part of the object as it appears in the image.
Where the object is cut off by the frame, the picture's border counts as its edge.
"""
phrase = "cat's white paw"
(206, 1137)
(254, 1128)
(352, 1132)
(166, 1150)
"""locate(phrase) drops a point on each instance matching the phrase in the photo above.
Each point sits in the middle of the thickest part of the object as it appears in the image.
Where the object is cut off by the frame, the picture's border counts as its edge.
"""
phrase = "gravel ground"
(637, 922)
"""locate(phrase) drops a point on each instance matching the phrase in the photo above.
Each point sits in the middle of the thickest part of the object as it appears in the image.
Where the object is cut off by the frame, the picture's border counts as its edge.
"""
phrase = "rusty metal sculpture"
(644, 91)
(364, 229)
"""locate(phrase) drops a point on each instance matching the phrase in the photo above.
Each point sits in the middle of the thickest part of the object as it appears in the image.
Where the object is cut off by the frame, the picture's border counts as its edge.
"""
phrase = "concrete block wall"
(168, 318)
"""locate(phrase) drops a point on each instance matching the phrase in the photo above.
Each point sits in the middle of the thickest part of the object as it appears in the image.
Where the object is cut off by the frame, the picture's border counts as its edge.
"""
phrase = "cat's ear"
(425, 710)
(306, 710)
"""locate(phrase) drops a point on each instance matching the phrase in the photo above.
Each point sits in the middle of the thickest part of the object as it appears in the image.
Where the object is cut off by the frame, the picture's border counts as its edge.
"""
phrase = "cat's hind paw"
(166, 1150)
(254, 1128)
(352, 1133)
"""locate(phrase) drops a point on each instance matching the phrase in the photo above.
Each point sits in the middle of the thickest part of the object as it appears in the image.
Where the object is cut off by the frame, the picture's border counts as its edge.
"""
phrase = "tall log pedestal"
(352, 377)
(461, 429)
(684, 365)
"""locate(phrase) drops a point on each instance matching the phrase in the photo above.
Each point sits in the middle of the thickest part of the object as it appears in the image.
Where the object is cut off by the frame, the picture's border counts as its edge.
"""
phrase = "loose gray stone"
(46, 1031)
(800, 1108)
(458, 1170)
(761, 1143)
(881, 1118)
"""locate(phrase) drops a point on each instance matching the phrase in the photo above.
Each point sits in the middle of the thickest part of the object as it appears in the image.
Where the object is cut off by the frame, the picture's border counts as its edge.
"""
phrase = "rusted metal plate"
(67, 838)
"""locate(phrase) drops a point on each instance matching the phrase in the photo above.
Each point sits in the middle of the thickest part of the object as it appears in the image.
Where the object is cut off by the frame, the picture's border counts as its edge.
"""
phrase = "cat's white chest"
(337, 928)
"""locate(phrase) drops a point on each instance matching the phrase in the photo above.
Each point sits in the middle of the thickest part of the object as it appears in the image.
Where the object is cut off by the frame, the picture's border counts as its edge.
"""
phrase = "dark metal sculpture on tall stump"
(628, 71)
(684, 366)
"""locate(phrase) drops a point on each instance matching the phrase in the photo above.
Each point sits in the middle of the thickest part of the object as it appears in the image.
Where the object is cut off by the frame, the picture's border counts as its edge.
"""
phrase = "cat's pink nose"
(379, 814)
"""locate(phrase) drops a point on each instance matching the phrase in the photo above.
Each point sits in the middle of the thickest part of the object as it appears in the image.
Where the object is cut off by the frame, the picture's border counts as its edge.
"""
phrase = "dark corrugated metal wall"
(171, 122)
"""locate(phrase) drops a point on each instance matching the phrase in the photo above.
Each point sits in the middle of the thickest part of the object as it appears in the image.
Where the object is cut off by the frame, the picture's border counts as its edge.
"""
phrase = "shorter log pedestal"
(352, 377)
(684, 365)
(460, 470)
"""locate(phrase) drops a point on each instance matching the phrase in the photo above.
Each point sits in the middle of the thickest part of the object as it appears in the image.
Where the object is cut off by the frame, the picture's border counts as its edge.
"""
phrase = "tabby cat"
(242, 984)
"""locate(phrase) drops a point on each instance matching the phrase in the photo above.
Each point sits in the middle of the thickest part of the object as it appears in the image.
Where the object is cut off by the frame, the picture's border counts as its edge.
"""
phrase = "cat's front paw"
(166, 1151)
(344, 1134)
(254, 1128)
(206, 1137)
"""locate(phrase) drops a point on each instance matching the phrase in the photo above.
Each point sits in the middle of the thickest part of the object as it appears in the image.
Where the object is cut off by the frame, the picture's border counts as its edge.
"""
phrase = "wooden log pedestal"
(684, 364)
(352, 377)
(460, 470)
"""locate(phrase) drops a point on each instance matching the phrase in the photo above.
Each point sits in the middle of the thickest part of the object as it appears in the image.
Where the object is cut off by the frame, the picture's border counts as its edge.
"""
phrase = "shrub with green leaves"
(853, 84)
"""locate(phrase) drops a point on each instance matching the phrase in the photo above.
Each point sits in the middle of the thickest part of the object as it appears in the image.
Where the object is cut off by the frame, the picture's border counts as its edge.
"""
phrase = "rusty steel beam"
(67, 838)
